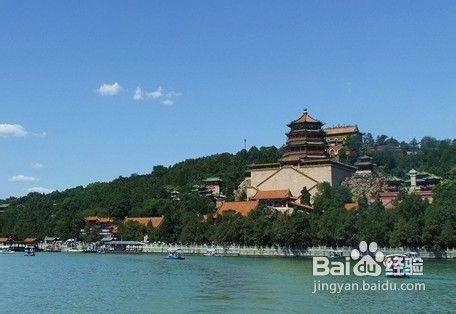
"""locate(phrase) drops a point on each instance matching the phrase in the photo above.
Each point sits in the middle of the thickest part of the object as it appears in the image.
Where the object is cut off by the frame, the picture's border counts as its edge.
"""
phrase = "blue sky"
(210, 74)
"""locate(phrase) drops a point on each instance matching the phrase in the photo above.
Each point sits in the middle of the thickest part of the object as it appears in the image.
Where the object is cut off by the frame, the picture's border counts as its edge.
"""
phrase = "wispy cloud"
(172, 94)
(159, 94)
(15, 130)
(167, 102)
(138, 94)
(40, 189)
(106, 89)
(22, 178)
(40, 134)
(37, 165)
(156, 93)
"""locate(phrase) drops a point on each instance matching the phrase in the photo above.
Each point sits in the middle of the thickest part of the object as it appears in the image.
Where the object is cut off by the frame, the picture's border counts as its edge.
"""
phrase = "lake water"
(72, 282)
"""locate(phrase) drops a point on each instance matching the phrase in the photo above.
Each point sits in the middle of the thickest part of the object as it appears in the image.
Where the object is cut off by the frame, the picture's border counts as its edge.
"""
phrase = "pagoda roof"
(363, 163)
(344, 129)
(306, 118)
(298, 142)
(98, 219)
(265, 165)
(213, 179)
(364, 157)
(423, 175)
(153, 221)
(394, 179)
(305, 159)
(243, 207)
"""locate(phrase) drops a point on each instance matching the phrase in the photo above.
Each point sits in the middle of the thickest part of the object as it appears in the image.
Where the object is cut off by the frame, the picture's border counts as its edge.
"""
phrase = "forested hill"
(62, 213)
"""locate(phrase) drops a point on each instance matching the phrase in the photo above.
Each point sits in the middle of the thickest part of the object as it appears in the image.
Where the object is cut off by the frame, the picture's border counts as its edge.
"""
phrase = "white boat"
(396, 266)
(211, 252)
(414, 256)
(174, 254)
(74, 250)
(29, 250)
(5, 249)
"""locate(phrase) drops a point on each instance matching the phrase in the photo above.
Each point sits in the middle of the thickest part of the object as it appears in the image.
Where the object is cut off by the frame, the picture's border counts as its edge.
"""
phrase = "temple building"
(337, 137)
(214, 184)
(242, 207)
(419, 183)
(105, 226)
(305, 163)
(365, 182)
(212, 188)
(281, 200)
(364, 165)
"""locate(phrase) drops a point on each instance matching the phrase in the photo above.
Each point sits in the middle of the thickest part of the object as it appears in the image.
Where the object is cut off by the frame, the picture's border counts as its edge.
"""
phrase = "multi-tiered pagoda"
(305, 142)
(305, 163)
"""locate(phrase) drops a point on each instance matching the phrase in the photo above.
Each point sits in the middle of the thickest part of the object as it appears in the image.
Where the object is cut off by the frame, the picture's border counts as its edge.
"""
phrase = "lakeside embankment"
(240, 250)
(285, 251)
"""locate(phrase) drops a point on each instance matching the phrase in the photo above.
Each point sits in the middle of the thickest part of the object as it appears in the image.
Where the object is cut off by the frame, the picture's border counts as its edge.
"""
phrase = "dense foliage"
(412, 223)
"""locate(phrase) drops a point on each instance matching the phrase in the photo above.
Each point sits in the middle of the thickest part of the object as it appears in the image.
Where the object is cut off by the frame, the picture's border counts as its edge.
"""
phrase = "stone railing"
(240, 250)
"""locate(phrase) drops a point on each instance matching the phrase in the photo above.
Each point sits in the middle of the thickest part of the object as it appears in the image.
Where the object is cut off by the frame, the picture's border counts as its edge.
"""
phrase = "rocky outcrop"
(368, 183)
(240, 194)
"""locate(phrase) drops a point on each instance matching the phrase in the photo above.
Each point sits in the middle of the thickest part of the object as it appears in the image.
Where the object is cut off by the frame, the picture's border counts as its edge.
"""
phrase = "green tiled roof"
(212, 179)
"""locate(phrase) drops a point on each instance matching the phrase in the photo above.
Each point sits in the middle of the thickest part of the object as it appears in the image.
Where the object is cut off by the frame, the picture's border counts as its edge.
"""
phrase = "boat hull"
(176, 258)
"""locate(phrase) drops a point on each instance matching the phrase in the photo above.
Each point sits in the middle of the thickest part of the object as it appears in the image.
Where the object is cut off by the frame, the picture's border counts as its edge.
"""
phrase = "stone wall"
(369, 183)
(295, 178)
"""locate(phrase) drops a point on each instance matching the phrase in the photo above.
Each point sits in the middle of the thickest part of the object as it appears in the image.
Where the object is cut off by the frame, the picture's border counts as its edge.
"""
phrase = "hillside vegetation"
(62, 213)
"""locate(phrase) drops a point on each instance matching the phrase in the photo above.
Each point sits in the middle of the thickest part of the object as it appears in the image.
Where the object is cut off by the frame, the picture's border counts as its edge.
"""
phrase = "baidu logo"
(368, 262)
(367, 265)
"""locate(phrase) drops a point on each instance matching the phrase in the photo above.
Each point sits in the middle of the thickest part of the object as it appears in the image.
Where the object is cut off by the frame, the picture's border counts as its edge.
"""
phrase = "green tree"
(229, 228)
(305, 196)
(408, 218)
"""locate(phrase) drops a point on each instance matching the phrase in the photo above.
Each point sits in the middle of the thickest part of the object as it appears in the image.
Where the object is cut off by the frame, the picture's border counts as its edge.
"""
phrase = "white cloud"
(16, 130)
(22, 178)
(40, 134)
(109, 89)
(139, 94)
(167, 102)
(40, 189)
(37, 165)
(159, 92)
(172, 94)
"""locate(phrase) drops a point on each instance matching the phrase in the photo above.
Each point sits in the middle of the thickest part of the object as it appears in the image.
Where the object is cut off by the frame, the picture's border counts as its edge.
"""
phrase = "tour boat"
(335, 254)
(5, 249)
(174, 254)
(74, 250)
(413, 255)
(396, 266)
(29, 251)
(211, 252)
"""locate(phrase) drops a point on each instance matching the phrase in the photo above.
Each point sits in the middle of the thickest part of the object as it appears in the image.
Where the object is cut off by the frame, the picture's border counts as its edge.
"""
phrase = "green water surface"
(81, 283)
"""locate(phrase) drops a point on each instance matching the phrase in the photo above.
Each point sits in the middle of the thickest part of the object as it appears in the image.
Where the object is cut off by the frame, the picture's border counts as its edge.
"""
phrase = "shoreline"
(253, 251)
